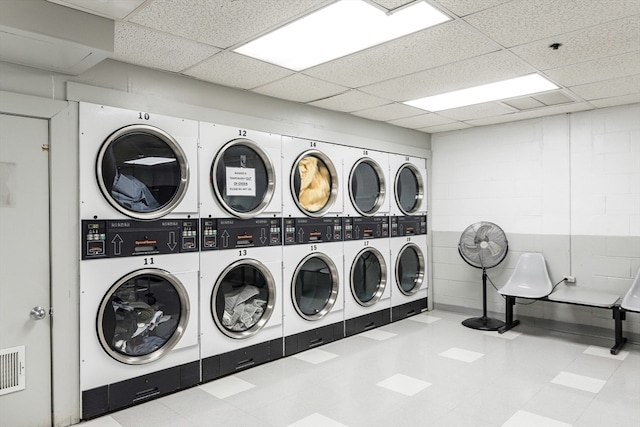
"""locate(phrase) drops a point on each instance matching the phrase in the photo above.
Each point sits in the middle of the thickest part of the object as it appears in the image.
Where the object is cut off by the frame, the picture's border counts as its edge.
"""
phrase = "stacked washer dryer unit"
(139, 257)
(366, 241)
(312, 206)
(408, 237)
(241, 249)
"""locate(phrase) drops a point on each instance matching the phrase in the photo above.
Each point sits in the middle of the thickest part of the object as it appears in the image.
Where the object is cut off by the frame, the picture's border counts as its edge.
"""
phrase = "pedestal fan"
(483, 245)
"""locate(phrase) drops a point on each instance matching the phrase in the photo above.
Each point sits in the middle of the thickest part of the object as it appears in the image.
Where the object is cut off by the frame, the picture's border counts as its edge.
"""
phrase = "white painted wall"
(567, 186)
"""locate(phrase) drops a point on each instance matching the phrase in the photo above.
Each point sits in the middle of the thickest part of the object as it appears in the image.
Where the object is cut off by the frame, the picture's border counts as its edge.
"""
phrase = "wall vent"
(12, 370)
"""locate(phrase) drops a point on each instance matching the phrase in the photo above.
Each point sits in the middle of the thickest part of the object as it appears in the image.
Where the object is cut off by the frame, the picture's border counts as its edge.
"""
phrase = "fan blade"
(494, 248)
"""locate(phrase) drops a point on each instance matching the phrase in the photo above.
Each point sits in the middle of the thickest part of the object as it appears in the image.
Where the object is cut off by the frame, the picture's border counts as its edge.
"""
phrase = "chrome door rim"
(333, 194)
(185, 312)
(383, 277)
(180, 157)
(420, 188)
(381, 186)
(271, 178)
(420, 278)
(335, 281)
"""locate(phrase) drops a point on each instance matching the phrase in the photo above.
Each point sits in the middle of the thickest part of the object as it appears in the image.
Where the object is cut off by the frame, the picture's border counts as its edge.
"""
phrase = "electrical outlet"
(569, 279)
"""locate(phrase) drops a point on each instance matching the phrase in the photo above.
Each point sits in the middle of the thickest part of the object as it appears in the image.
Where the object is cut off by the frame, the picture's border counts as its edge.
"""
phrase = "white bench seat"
(574, 295)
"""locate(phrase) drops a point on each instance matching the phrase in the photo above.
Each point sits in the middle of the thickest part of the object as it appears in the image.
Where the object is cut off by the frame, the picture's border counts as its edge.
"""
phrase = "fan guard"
(483, 245)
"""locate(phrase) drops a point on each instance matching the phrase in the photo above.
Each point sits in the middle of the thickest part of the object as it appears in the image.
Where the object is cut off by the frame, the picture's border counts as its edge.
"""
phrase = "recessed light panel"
(339, 29)
(519, 86)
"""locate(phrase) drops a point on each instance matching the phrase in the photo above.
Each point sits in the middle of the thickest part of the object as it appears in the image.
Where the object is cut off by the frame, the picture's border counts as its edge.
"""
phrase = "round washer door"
(143, 316)
(368, 277)
(243, 298)
(410, 266)
(142, 171)
(243, 178)
(409, 189)
(314, 287)
(367, 186)
(314, 183)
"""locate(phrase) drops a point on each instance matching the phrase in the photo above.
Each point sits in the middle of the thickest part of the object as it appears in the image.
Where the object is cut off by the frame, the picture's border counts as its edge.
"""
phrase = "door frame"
(63, 253)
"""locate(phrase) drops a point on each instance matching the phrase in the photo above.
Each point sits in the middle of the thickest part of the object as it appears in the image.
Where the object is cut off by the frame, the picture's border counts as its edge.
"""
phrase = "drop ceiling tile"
(600, 69)
(616, 100)
(392, 4)
(300, 88)
(588, 44)
(483, 69)
(478, 111)
(421, 121)
(553, 98)
(523, 21)
(117, 9)
(231, 69)
(466, 7)
(150, 48)
(220, 23)
(352, 100)
(445, 128)
(389, 112)
(531, 114)
(610, 88)
(443, 44)
(526, 103)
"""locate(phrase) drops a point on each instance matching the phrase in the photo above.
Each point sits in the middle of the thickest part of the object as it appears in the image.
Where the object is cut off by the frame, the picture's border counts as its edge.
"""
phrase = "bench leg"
(618, 317)
(509, 323)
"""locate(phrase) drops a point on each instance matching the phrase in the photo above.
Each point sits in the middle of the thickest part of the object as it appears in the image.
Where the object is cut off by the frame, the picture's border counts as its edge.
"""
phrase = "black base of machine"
(368, 321)
(409, 309)
(238, 360)
(309, 339)
(112, 397)
(483, 323)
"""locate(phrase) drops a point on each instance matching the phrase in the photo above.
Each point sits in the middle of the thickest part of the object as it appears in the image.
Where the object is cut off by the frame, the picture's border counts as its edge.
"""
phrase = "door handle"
(38, 313)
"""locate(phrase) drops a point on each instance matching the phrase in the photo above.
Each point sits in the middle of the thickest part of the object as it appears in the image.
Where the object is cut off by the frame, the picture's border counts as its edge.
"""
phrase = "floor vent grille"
(12, 370)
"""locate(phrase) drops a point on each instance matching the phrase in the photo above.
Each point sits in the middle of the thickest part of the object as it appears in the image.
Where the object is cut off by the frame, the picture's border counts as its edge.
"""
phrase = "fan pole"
(483, 323)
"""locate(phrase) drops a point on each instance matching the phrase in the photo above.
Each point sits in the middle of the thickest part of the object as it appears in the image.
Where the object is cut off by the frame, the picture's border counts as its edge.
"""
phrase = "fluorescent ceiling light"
(337, 30)
(519, 86)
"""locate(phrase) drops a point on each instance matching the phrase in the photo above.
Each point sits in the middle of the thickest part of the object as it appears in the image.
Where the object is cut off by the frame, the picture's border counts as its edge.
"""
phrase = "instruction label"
(241, 181)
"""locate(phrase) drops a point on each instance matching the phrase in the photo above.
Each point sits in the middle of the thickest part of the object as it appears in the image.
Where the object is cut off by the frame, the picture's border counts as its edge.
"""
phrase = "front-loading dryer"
(366, 271)
(409, 186)
(138, 312)
(313, 170)
(409, 279)
(313, 288)
(241, 295)
(136, 165)
(367, 182)
(239, 173)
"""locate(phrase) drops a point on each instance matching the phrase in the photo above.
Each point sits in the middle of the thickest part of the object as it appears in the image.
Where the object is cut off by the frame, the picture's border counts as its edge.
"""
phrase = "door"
(24, 272)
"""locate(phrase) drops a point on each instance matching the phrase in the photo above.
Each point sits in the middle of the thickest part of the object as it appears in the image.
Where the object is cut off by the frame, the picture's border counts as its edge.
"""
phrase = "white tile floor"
(427, 370)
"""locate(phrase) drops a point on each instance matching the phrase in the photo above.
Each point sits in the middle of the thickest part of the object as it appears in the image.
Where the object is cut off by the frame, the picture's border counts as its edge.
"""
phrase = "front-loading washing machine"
(409, 279)
(136, 165)
(313, 170)
(367, 182)
(138, 312)
(313, 288)
(366, 271)
(241, 295)
(409, 186)
(239, 173)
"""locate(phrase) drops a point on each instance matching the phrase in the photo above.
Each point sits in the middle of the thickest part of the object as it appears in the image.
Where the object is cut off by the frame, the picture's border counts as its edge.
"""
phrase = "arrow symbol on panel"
(357, 231)
(117, 244)
(329, 235)
(263, 235)
(225, 239)
(301, 235)
(172, 241)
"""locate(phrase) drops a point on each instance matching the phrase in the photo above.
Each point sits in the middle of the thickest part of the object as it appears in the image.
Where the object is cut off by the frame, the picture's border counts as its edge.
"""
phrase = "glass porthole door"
(142, 171)
(243, 178)
(367, 186)
(409, 189)
(314, 183)
(368, 277)
(315, 286)
(410, 269)
(143, 316)
(243, 298)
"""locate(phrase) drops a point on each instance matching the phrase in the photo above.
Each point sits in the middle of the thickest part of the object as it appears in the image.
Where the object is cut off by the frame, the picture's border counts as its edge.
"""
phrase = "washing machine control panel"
(127, 238)
(361, 228)
(408, 225)
(230, 233)
(299, 231)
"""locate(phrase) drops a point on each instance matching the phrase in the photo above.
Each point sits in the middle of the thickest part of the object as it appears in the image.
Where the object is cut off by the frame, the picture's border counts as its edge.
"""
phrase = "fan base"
(483, 323)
